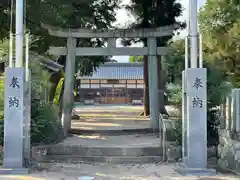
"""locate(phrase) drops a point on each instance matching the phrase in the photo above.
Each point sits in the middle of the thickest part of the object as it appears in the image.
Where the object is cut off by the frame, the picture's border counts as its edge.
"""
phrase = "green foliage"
(173, 66)
(220, 25)
(45, 124)
(174, 93)
(154, 14)
(92, 14)
(217, 88)
(56, 99)
(133, 59)
(175, 133)
(39, 81)
(4, 20)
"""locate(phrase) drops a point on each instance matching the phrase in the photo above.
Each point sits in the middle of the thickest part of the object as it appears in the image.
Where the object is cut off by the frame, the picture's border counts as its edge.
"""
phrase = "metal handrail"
(162, 135)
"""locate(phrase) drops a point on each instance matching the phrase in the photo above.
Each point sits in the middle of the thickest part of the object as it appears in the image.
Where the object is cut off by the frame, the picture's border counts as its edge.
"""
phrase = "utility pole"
(193, 33)
(19, 33)
(194, 104)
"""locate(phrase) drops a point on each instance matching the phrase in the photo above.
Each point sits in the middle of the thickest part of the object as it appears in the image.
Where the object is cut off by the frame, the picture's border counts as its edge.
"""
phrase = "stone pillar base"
(185, 171)
(17, 171)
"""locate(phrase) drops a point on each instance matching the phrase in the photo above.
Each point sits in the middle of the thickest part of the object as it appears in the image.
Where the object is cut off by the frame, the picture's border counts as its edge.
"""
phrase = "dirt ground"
(116, 120)
(112, 172)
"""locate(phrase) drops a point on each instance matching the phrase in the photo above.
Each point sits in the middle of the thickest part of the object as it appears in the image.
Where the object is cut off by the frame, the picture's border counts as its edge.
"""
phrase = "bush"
(45, 124)
(174, 93)
(175, 134)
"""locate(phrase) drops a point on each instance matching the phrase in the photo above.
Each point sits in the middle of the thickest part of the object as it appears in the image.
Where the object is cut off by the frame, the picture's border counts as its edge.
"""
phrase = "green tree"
(93, 14)
(4, 19)
(173, 64)
(220, 25)
(133, 59)
(149, 14)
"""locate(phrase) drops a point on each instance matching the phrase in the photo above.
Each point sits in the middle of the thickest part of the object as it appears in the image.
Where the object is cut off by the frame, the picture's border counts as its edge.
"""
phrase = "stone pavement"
(112, 172)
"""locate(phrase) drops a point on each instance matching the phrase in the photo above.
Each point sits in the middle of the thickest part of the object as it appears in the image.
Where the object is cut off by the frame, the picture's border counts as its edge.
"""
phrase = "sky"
(122, 22)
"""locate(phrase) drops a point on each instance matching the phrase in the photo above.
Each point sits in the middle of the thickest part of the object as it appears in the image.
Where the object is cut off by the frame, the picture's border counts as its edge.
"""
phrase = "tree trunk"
(146, 85)
(161, 87)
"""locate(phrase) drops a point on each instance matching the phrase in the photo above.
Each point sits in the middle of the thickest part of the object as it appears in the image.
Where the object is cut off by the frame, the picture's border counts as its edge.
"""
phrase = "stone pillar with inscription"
(195, 123)
(13, 121)
(196, 82)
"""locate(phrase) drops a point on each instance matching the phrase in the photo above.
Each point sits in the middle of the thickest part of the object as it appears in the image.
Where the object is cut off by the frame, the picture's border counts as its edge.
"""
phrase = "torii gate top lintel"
(118, 33)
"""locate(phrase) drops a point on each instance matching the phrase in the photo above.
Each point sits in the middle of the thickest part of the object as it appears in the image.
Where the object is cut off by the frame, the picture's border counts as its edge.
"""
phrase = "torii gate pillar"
(68, 85)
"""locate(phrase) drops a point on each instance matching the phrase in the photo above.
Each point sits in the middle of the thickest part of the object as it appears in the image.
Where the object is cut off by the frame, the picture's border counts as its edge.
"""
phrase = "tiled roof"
(117, 71)
(44, 61)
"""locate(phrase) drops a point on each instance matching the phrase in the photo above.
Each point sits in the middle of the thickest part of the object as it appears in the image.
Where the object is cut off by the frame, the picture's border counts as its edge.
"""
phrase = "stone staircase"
(118, 149)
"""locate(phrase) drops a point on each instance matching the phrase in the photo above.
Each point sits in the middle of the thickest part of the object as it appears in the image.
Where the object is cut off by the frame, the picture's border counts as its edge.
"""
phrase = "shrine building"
(112, 83)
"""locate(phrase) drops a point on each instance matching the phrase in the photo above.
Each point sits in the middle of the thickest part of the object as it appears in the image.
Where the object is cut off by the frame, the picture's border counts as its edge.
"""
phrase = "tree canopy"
(134, 59)
(220, 26)
(155, 13)
(93, 14)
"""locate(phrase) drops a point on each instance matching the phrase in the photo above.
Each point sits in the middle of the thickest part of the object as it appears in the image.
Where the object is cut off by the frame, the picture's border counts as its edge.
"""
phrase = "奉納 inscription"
(198, 83)
(14, 83)
(197, 102)
(13, 102)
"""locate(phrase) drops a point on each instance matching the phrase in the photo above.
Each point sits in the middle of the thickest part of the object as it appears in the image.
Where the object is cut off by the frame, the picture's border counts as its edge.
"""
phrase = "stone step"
(98, 151)
(101, 159)
(141, 148)
(113, 132)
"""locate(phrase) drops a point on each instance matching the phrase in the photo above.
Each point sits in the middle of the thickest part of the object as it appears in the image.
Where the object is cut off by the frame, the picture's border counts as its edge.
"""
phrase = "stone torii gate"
(71, 51)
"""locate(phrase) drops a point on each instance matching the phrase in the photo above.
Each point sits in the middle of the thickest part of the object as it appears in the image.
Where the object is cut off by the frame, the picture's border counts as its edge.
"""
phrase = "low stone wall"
(229, 150)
